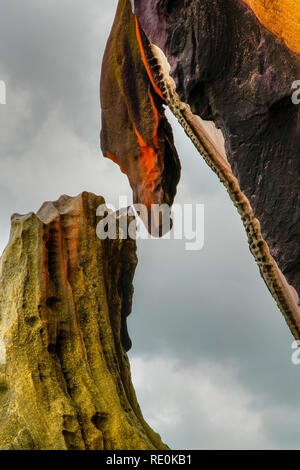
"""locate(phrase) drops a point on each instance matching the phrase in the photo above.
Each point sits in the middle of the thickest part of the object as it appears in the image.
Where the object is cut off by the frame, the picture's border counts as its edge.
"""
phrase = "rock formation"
(65, 295)
(226, 69)
(140, 140)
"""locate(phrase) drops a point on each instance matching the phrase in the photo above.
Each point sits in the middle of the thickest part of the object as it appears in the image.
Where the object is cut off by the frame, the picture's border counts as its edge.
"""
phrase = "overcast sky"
(211, 356)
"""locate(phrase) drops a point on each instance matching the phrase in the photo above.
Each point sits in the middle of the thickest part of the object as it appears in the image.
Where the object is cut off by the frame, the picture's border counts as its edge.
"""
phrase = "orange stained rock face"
(147, 159)
(115, 160)
(145, 62)
(135, 132)
(281, 17)
(148, 155)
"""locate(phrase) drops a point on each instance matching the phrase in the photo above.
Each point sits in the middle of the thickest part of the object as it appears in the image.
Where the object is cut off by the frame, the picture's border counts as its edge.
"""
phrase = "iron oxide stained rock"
(65, 379)
(135, 133)
(226, 70)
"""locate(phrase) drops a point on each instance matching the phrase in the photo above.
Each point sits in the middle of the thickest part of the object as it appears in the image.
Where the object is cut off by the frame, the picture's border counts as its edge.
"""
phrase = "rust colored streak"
(115, 160)
(148, 155)
(147, 159)
(139, 39)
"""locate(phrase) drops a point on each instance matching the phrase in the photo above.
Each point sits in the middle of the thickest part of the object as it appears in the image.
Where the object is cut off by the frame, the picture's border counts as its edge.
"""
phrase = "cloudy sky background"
(211, 357)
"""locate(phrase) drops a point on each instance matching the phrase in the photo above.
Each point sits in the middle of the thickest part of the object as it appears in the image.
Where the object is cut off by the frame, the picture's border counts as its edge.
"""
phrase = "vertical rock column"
(65, 378)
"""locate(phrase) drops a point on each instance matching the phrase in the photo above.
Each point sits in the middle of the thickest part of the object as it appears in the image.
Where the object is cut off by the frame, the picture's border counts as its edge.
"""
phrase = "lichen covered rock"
(65, 378)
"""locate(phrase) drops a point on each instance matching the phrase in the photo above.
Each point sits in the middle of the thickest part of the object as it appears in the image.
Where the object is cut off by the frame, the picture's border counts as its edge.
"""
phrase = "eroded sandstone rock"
(135, 133)
(65, 378)
(227, 69)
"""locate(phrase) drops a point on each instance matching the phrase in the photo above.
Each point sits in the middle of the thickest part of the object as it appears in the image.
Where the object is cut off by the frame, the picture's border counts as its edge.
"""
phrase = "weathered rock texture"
(139, 138)
(226, 68)
(282, 17)
(65, 381)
